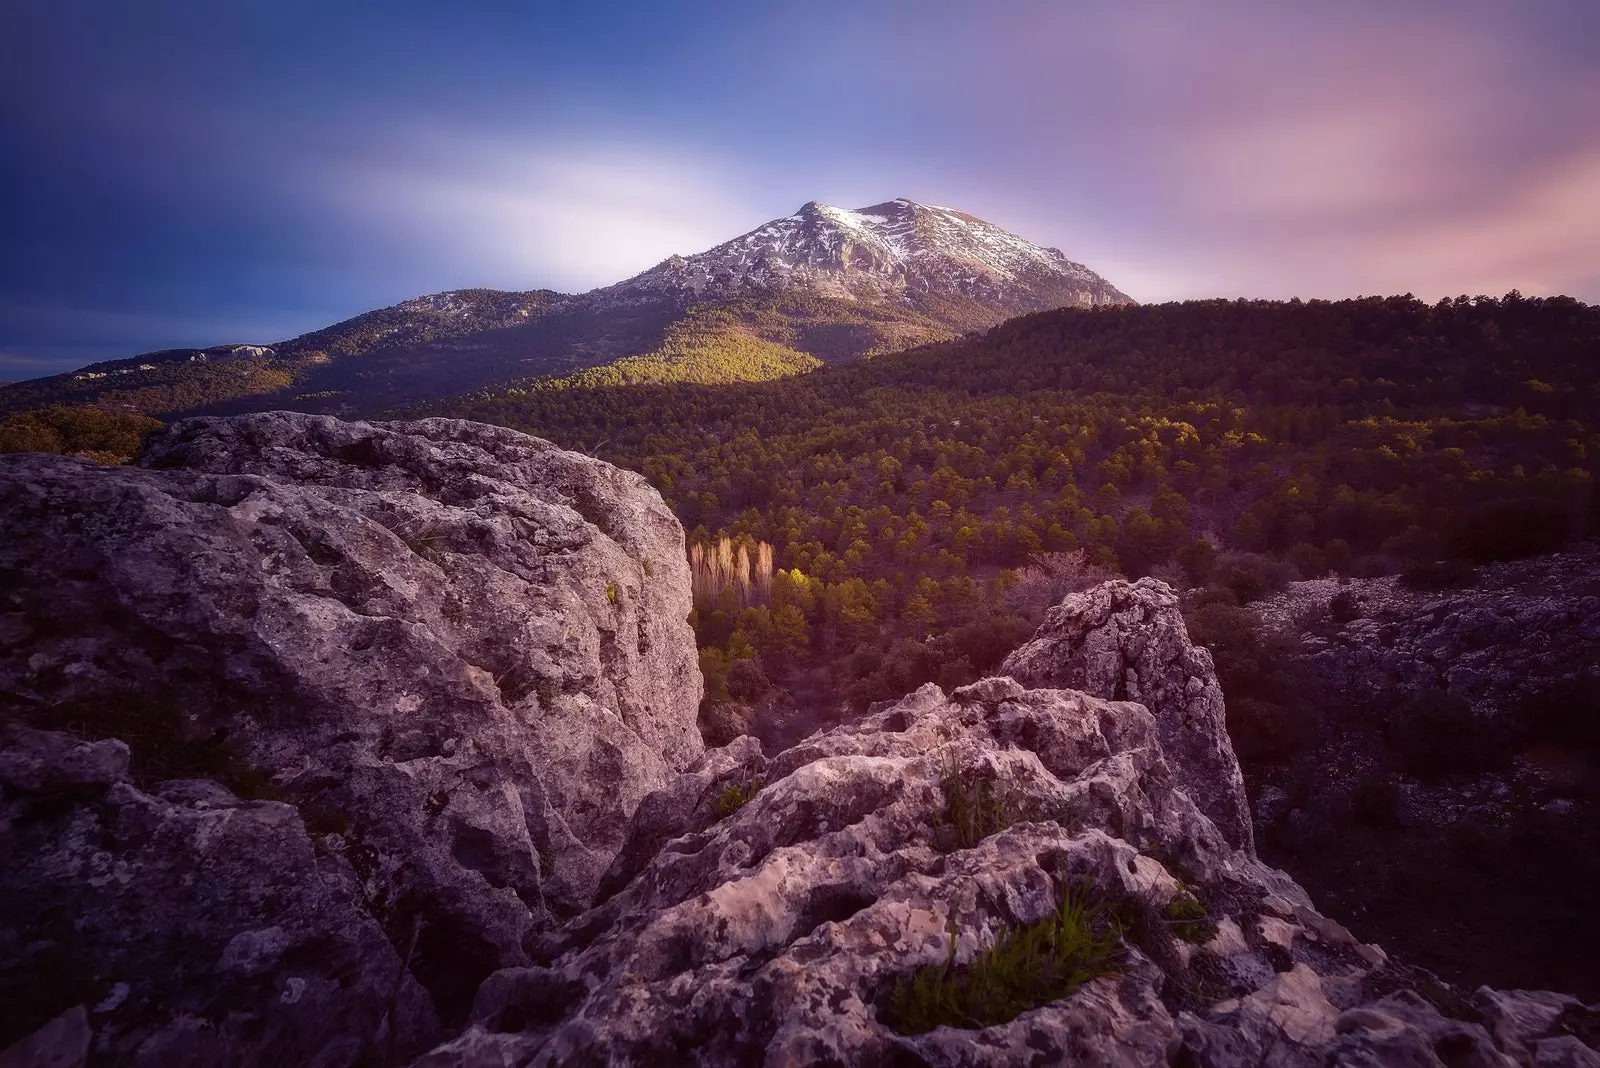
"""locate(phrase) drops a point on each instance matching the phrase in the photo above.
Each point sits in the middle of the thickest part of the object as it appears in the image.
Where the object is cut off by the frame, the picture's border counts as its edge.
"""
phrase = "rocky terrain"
(1448, 729)
(289, 778)
(824, 283)
(459, 653)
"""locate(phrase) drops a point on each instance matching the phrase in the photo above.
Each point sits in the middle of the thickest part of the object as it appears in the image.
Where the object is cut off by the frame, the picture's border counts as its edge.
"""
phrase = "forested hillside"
(925, 506)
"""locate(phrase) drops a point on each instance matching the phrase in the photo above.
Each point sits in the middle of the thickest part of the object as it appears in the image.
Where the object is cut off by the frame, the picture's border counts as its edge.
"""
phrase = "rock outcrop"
(778, 932)
(1127, 642)
(459, 652)
(184, 926)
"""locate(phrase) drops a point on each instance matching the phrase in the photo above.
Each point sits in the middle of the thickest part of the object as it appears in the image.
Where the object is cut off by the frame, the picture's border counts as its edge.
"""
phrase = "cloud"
(569, 217)
(1298, 154)
(1542, 236)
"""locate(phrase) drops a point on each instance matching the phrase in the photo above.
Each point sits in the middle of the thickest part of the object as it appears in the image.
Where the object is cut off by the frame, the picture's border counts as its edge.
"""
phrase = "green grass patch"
(975, 808)
(1027, 967)
(735, 796)
(1188, 919)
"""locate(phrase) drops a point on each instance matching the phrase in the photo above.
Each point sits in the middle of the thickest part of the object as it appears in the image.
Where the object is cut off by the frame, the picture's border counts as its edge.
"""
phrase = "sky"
(195, 172)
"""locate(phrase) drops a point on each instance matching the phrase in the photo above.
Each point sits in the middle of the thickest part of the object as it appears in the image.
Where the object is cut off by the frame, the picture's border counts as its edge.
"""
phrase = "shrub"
(714, 668)
(1028, 966)
(984, 642)
(1189, 920)
(1507, 530)
(1435, 733)
(1267, 721)
(746, 680)
(1343, 608)
(1049, 577)
(1198, 559)
(955, 673)
(1252, 577)
(973, 812)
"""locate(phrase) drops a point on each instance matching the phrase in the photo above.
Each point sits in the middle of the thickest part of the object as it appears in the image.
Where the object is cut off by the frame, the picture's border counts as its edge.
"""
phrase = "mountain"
(898, 252)
(819, 286)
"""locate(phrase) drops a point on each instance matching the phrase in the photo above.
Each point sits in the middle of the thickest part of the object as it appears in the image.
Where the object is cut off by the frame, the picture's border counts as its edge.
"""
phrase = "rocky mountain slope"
(823, 284)
(896, 251)
(417, 700)
(906, 851)
(1441, 736)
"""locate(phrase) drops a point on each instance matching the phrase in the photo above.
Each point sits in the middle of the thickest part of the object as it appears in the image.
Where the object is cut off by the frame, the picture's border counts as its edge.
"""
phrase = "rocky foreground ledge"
(788, 931)
(422, 765)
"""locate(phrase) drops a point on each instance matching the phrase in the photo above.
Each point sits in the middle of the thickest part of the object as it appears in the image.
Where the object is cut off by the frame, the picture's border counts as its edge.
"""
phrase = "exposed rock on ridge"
(776, 934)
(460, 652)
(1128, 642)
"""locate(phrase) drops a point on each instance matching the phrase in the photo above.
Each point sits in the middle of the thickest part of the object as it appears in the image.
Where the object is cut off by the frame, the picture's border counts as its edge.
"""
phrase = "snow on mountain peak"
(898, 249)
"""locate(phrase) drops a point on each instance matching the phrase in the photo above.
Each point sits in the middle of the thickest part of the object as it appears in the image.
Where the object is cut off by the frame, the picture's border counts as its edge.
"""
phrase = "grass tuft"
(735, 796)
(1027, 967)
(1188, 919)
(974, 811)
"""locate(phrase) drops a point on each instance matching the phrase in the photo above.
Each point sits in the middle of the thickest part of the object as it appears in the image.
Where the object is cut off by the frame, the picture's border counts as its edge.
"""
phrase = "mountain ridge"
(822, 284)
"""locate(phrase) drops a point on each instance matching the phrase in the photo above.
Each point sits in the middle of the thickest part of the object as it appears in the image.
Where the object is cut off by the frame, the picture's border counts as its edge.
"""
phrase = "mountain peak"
(898, 250)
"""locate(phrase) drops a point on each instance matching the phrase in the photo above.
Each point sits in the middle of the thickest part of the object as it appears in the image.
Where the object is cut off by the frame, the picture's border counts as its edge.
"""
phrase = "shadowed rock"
(196, 928)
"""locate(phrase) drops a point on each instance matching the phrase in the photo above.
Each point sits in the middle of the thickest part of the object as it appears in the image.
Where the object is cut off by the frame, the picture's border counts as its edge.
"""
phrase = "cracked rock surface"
(776, 933)
(459, 652)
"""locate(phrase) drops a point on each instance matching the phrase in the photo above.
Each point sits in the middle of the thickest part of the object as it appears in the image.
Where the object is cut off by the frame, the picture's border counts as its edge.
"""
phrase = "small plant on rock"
(1189, 920)
(1027, 967)
(735, 796)
(973, 812)
(426, 541)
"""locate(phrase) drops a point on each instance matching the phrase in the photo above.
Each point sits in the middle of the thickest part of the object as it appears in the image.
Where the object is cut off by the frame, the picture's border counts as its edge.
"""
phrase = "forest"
(910, 516)
(923, 508)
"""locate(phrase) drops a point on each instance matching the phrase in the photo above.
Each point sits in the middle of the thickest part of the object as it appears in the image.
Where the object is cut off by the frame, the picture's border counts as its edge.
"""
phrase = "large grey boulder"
(184, 926)
(461, 652)
(777, 933)
(1126, 641)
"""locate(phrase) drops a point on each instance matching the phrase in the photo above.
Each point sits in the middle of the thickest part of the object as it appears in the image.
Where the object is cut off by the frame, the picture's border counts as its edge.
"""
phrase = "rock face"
(184, 926)
(1127, 642)
(776, 933)
(460, 652)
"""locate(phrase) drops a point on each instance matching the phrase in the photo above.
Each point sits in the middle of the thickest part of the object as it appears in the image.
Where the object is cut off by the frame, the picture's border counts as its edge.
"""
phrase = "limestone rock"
(1127, 642)
(777, 933)
(185, 926)
(460, 651)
